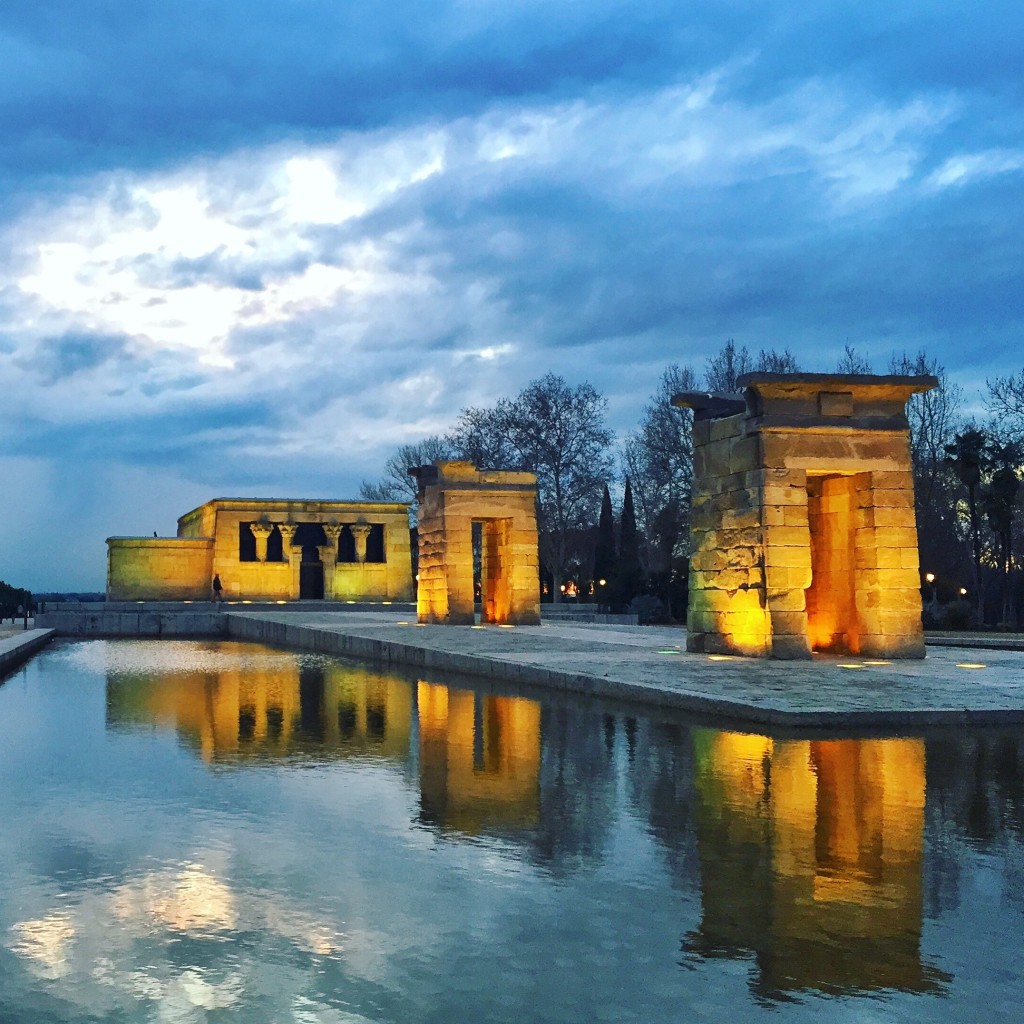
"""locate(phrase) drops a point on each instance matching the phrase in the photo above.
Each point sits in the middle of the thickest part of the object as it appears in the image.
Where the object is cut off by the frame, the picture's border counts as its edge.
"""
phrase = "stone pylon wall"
(803, 527)
(454, 496)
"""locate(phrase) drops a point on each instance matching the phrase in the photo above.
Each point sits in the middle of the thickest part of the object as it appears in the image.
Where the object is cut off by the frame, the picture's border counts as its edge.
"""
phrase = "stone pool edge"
(17, 649)
(392, 652)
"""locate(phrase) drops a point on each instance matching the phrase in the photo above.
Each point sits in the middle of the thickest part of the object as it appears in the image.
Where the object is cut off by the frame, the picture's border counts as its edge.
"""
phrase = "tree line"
(14, 601)
(967, 472)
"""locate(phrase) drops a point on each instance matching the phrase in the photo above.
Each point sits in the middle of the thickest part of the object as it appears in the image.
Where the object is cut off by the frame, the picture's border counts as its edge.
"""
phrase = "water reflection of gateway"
(811, 855)
(479, 759)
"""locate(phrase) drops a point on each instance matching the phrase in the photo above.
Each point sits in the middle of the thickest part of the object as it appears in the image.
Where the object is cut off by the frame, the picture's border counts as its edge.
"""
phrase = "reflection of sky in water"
(214, 831)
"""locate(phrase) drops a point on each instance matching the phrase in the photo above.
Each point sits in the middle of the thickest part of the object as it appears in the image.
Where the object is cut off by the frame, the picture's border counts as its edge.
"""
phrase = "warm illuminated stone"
(269, 549)
(803, 503)
(453, 496)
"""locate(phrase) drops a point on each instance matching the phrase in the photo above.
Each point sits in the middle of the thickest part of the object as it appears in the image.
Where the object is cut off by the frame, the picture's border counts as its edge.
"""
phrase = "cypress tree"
(631, 574)
(605, 557)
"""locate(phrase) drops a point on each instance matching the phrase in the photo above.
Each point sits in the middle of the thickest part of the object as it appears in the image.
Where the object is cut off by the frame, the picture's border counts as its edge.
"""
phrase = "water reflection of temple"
(811, 860)
(478, 755)
(274, 708)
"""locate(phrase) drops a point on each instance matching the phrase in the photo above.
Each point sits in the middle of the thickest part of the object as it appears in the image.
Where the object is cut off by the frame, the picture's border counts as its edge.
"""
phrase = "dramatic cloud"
(253, 250)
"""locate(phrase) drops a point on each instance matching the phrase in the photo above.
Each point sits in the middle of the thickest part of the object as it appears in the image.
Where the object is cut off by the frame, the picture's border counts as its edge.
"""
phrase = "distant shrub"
(649, 610)
(958, 615)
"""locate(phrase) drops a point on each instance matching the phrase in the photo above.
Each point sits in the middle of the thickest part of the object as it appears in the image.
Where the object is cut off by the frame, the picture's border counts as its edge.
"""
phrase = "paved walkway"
(650, 664)
(7, 628)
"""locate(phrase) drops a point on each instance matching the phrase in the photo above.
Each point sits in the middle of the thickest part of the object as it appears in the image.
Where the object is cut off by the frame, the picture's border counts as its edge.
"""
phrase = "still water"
(212, 831)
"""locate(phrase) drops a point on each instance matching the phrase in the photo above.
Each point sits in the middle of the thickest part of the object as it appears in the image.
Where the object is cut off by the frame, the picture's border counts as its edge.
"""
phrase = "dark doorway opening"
(311, 579)
(309, 537)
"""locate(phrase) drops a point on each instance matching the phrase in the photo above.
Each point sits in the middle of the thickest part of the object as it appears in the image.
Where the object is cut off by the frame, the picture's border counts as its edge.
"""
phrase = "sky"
(248, 249)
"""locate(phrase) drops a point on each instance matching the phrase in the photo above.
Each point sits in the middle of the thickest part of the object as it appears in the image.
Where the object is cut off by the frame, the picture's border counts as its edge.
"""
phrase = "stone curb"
(391, 652)
(14, 650)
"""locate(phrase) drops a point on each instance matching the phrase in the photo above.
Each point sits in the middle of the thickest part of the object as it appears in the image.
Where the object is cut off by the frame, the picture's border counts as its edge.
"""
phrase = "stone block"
(887, 497)
(795, 515)
(788, 557)
(888, 579)
(732, 579)
(895, 537)
(835, 403)
(782, 578)
(889, 600)
(910, 558)
(870, 557)
(790, 648)
(787, 536)
(704, 518)
(892, 516)
(726, 427)
(787, 600)
(784, 494)
(893, 480)
(743, 454)
(787, 623)
(716, 464)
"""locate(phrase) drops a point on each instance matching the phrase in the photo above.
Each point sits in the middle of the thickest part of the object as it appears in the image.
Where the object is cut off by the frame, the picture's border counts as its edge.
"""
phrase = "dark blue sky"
(248, 249)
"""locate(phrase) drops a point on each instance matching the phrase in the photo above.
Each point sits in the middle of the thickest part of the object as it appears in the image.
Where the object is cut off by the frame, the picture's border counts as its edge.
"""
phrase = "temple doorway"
(831, 597)
(311, 574)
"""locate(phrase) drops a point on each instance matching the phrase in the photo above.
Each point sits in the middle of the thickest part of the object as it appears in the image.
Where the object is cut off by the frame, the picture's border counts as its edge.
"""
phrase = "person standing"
(217, 588)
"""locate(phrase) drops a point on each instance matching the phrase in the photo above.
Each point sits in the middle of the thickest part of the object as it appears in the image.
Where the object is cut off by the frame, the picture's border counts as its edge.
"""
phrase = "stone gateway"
(804, 535)
(453, 496)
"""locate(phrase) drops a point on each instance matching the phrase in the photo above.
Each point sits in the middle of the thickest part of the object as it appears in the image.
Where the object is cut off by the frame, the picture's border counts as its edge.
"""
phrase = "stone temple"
(804, 535)
(270, 550)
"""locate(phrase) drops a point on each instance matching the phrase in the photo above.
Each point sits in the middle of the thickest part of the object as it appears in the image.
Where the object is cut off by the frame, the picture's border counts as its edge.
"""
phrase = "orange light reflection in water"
(806, 840)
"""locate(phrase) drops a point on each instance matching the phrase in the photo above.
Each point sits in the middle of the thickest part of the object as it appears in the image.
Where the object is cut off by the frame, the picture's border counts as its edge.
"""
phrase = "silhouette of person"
(217, 588)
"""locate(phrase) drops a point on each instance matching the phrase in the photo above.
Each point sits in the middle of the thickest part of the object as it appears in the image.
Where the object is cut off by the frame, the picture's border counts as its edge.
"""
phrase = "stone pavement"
(18, 646)
(953, 685)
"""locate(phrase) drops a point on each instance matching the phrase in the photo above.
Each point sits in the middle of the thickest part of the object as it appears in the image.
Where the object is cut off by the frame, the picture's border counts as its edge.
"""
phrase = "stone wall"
(159, 568)
(209, 539)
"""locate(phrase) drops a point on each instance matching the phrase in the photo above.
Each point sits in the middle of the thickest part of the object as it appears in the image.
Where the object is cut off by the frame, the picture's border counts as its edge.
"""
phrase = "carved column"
(293, 554)
(360, 533)
(329, 557)
(261, 531)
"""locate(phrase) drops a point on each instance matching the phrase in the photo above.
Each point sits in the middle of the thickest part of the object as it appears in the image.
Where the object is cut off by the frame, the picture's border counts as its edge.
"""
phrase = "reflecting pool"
(215, 831)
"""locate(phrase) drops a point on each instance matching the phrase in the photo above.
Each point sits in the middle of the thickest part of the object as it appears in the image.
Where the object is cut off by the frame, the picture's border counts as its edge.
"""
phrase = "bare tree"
(770, 360)
(934, 419)
(1006, 400)
(658, 458)
(851, 361)
(396, 484)
(559, 433)
(730, 363)
(722, 369)
(480, 436)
